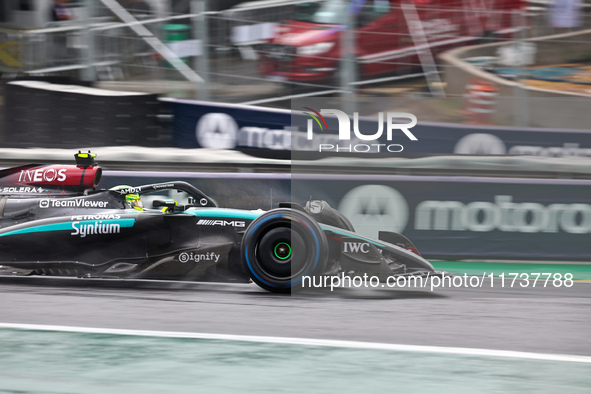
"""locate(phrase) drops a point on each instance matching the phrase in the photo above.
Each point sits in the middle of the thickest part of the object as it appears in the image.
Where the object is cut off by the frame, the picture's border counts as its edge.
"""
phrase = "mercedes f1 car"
(54, 221)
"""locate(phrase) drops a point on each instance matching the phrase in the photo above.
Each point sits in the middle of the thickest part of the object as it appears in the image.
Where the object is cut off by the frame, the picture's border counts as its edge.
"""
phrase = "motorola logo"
(371, 208)
(217, 131)
(480, 144)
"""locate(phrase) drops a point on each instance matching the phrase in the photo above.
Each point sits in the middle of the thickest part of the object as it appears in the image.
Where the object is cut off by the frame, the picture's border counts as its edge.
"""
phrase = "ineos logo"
(41, 175)
(217, 131)
(371, 208)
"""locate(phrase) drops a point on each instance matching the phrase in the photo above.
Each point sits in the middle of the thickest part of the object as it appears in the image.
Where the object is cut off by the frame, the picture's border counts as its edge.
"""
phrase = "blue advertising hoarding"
(466, 217)
(227, 126)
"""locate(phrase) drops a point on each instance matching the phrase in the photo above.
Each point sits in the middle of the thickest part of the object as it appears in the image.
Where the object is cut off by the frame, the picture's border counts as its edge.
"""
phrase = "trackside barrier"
(446, 217)
(51, 115)
(226, 126)
(177, 159)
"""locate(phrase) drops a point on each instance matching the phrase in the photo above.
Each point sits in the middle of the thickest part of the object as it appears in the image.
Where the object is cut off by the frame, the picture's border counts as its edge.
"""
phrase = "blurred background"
(501, 90)
(376, 54)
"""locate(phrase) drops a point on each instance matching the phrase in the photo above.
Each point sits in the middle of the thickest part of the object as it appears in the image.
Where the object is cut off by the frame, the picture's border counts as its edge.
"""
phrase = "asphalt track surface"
(541, 320)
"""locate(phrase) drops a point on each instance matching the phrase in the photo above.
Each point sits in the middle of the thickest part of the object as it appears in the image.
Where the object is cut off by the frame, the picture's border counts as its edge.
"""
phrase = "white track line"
(310, 342)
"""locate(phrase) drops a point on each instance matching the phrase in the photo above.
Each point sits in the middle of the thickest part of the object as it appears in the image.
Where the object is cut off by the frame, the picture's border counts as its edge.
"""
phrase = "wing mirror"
(169, 204)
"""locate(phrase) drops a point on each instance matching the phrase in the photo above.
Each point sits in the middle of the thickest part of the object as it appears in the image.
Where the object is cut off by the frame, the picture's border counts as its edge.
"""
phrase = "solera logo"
(345, 130)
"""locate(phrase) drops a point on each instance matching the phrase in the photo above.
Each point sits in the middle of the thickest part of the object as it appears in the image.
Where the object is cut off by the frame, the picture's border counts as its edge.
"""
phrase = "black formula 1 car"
(54, 221)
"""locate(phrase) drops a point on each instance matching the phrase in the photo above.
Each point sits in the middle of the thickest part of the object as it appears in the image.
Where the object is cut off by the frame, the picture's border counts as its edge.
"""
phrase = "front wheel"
(282, 246)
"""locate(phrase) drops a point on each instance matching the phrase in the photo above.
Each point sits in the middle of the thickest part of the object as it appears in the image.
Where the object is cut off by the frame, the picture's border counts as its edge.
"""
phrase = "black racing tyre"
(280, 247)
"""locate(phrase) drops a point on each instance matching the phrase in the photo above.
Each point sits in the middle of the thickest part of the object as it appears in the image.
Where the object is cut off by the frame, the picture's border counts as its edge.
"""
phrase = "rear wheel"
(282, 246)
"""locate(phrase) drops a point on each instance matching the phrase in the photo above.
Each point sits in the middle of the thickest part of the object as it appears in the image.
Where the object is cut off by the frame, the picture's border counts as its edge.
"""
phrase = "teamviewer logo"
(344, 122)
(44, 203)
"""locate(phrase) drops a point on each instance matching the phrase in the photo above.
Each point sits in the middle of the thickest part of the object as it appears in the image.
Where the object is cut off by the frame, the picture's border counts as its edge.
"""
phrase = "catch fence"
(264, 52)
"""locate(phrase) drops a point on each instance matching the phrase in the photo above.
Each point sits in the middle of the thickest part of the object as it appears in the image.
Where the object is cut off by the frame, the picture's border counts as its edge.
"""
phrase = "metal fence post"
(521, 94)
(201, 63)
(88, 73)
(348, 64)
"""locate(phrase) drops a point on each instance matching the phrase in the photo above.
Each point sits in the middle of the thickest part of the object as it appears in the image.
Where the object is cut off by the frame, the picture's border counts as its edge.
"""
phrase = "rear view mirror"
(170, 204)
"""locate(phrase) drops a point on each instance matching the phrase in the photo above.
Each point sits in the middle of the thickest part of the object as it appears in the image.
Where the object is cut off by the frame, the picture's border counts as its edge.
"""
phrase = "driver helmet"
(132, 200)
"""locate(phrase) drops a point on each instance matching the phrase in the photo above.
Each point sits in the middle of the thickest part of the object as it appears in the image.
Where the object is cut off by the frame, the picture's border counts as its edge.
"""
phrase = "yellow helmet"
(134, 201)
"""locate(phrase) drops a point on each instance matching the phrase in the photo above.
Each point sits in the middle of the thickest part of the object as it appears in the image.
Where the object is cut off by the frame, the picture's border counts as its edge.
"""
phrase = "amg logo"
(355, 247)
(210, 222)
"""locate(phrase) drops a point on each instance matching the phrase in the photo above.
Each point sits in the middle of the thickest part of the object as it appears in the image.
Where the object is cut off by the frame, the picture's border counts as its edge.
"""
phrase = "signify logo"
(345, 131)
(197, 257)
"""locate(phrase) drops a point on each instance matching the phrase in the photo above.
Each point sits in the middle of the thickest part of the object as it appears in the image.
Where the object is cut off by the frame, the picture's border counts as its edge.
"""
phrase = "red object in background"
(481, 100)
(388, 35)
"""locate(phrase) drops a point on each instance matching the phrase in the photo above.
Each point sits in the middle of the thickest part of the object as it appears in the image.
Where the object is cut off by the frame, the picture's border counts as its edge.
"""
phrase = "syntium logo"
(503, 215)
(344, 123)
(210, 222)
(82, 229)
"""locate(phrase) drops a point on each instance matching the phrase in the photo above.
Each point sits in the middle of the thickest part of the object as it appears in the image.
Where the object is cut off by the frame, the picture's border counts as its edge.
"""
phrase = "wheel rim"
(282, 253)
(282, 250)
